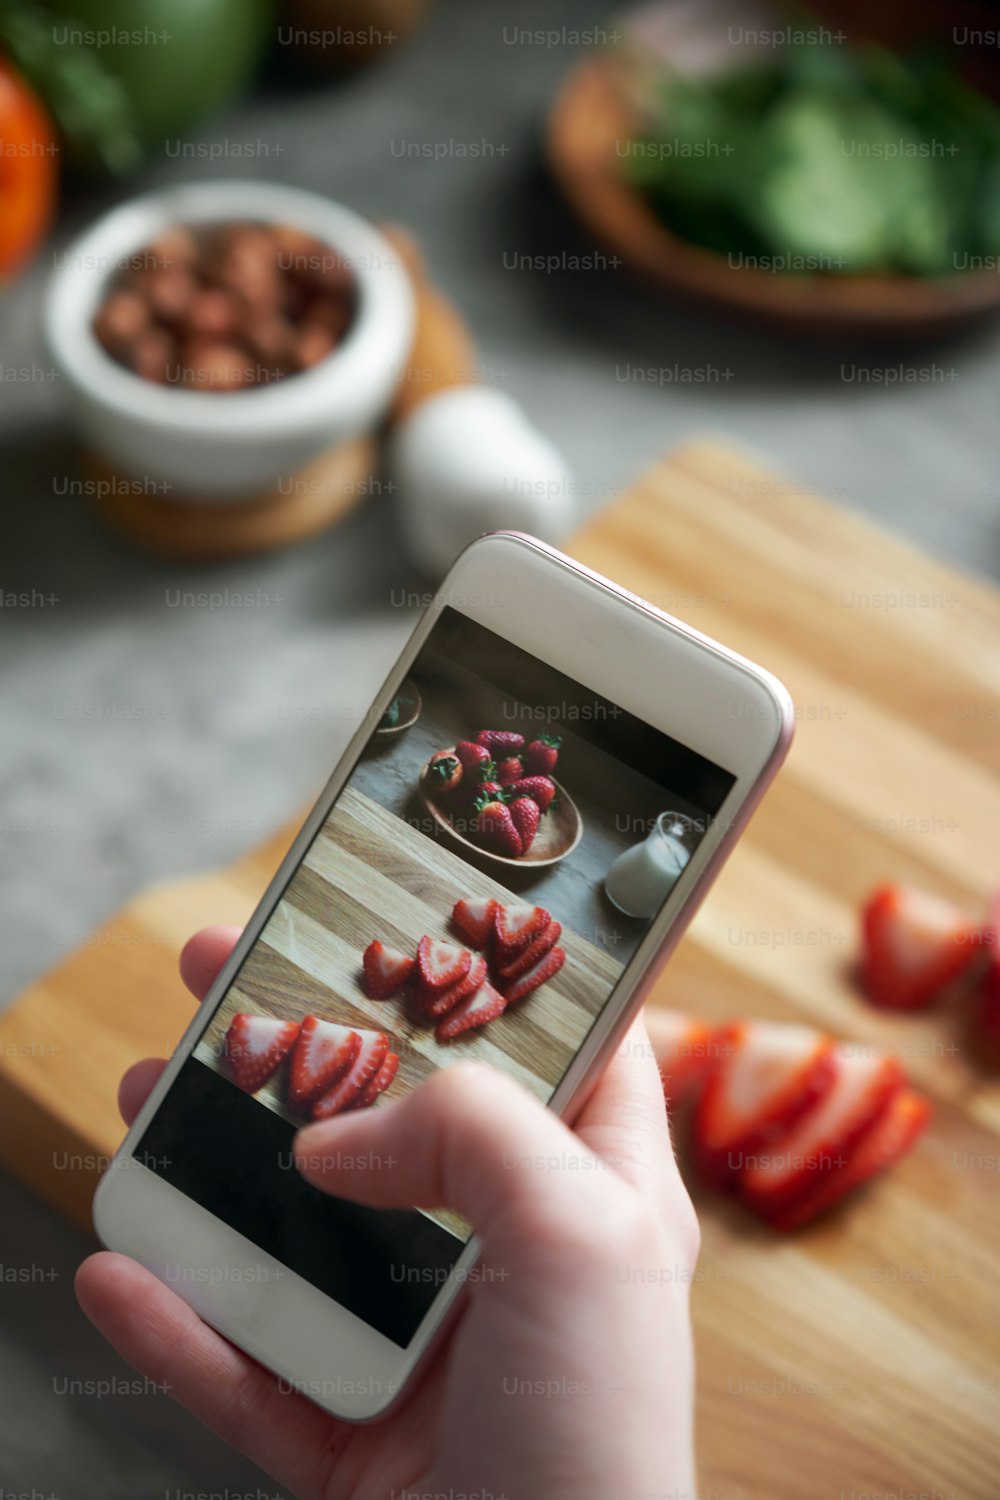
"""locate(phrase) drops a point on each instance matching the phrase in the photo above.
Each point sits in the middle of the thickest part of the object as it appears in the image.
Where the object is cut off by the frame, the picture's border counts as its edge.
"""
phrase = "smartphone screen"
(620, 809)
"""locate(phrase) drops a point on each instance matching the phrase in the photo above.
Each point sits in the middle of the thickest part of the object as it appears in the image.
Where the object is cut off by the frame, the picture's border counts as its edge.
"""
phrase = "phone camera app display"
(476, 891)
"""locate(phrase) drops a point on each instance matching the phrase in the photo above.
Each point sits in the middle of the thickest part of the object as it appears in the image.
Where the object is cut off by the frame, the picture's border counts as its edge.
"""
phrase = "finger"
(201, 959)
(237, 1398)
(469, 1139)
(136, 1086)
(625, 1118)
(203, 956)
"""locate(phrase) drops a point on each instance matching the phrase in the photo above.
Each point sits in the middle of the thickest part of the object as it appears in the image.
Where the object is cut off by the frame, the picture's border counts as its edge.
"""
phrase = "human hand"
(569, 1370)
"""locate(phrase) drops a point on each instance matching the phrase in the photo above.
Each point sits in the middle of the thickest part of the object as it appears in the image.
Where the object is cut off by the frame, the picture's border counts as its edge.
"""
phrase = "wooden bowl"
(592, 113)
(409, 687)
(559, 830)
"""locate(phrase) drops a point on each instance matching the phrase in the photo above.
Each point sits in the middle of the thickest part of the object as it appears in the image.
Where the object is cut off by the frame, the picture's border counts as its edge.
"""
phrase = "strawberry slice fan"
(788, 1119)
(773, 1075)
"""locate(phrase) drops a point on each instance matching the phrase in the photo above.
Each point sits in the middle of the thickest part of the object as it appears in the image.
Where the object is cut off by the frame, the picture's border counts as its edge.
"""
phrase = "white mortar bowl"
(222, 446)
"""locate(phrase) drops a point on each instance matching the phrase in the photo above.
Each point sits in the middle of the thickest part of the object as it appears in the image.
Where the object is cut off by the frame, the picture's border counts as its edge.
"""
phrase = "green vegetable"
(88, 104)
(178, 61)
(830, 159)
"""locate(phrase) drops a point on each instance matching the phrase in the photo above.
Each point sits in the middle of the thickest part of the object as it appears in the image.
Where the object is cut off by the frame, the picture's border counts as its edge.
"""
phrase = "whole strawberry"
(444, 772)
(510, 770)
(500, 742)
(525, 815)
(497, 829)
(541, 755)
(539, 788)
(472, 755)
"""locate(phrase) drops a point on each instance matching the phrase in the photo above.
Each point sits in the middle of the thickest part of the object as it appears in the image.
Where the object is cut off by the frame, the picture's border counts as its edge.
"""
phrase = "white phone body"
(716, 703)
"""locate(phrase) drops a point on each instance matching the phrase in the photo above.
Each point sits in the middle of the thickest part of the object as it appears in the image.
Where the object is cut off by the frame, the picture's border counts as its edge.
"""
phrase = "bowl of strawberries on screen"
(497, 794)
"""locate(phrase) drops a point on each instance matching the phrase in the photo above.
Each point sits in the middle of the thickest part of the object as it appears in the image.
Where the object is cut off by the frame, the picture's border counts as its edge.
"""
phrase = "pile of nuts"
(227, 307)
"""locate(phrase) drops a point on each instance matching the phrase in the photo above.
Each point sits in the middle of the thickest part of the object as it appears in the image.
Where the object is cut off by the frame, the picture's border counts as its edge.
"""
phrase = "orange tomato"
(28, 171)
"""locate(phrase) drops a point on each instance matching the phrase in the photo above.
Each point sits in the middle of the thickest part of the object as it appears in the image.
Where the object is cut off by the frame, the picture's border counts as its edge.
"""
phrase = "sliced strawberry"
(516, 925)
(323, 1052)
(386, 970)
(914, 945)
(883, 1144)
(255, 1046)
(525, 815)
(550, 964)
(440, 1002)
(771, 1076)
(500, 742)
(440, 964)
(686, 1052)
(379, 1084)
(485, 1004)
(474, 919)
(367, 1062)
(821, 1141)
(536, 949)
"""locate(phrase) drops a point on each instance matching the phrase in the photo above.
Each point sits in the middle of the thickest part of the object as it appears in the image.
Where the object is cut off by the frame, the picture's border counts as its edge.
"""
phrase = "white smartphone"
(643, 747)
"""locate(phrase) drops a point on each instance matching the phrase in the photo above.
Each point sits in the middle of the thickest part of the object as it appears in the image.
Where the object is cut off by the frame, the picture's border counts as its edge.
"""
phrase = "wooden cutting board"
(859, 1358)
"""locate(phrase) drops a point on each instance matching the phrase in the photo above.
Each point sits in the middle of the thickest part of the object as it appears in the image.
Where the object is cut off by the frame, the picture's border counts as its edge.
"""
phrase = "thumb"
(469, 1139)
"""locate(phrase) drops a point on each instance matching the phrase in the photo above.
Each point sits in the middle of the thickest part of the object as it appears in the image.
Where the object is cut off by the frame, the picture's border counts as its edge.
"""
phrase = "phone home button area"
(230, 1287)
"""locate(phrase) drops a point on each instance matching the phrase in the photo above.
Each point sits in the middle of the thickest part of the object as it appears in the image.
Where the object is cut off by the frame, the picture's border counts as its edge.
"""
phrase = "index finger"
(201, 960)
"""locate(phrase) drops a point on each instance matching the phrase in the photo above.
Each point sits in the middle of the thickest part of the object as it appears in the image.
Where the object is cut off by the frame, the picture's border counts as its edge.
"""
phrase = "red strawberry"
(773, 1074)
(471, 755)
(475, 1010)
(515, 925)
(549, 964)
(474, 919)
(322, 1053)
(496, 828)
(444, 772)
(524, 814)
(914, 946)
(509, 770)
(820, 1142)
(440, 1002)
(541, 755)
(882, 1145)
(539, 788)
(686, 1050)
(500, 742)
(379, 1084)
(536, 949)
(440, 964)
(386, 970)
(255, 1046)
(350, 1087)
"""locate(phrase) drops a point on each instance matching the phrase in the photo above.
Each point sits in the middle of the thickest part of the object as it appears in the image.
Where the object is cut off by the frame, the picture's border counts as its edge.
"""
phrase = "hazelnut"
(271, 337)
(313, 343)
(215, 365)
(174, 247)
(169, 291)
(120, 320)
(153, 354)
(213, 312)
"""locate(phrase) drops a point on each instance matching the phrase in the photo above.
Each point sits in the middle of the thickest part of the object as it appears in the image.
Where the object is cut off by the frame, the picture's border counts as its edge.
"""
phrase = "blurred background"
(165, 712)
